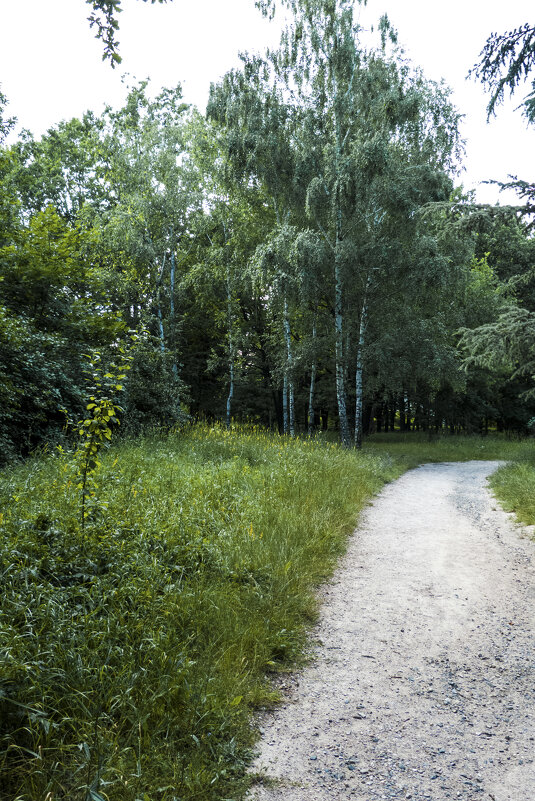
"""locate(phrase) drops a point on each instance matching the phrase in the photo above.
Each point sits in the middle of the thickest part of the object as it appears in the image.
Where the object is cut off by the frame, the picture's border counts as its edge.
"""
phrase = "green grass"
(514, 486)
(412, 449)
(134, 654)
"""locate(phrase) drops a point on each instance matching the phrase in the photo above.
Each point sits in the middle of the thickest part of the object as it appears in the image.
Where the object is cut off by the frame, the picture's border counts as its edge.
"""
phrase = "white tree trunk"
(338, 285)
(289, 364)
(285, 404)
(358, 370)
(231, 351)
(339, 354)
(358, 379)
(311, 413)
(160, 326)
(172, 307)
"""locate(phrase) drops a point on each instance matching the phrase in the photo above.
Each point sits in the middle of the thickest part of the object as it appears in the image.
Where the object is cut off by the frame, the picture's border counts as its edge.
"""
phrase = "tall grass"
(514, 486)
(134, 652)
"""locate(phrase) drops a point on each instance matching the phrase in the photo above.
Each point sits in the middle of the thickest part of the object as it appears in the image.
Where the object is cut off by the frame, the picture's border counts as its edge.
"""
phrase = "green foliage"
(155, 396)
(104, 18)
(54, 305)
(301, 254)
(95, 430)
(508, 342)
(505, 62)
(132, 658)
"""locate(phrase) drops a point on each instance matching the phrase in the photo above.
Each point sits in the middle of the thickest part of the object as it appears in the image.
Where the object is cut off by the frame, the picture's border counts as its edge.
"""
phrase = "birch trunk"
(160, 326)
(358, 379)
(231, 392)
(172, 307)
(289, 364)
(231, 352)
(339, 354)
(358, 370)
(311, 414)
(338, 286)
(285, 404)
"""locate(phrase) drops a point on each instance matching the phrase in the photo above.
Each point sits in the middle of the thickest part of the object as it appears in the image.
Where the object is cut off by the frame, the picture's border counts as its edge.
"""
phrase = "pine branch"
(504, 63)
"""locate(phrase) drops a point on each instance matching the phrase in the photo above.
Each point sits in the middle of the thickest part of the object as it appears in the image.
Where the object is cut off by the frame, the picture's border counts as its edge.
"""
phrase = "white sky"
(51, 68)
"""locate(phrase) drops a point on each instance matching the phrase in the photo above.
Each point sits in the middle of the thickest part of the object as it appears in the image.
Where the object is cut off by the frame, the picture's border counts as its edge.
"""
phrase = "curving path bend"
(423, 682)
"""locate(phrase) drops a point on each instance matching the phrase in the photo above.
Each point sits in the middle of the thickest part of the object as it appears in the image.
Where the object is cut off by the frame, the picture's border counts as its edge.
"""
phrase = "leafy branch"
(95, 430)
(504, 63)
(104, 17)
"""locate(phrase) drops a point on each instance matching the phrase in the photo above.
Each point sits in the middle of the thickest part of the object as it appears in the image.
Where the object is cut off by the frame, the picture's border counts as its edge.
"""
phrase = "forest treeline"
(302, 255)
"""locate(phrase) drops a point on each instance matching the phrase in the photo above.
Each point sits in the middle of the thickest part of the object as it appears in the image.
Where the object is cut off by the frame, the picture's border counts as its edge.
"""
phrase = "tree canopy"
(300, 256)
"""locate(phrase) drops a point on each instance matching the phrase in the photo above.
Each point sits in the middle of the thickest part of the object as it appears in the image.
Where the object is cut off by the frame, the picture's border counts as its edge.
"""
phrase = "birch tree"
(378, 140)
(260, 139)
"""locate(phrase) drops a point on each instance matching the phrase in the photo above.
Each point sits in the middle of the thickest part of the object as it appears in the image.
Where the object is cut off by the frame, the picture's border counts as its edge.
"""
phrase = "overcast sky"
(51, 68)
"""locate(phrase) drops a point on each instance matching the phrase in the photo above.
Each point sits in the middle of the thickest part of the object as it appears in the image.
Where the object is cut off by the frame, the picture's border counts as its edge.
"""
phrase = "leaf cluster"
(104, 17)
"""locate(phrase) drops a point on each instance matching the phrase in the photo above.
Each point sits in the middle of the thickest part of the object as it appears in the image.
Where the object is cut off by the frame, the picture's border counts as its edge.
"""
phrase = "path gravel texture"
(423, 681)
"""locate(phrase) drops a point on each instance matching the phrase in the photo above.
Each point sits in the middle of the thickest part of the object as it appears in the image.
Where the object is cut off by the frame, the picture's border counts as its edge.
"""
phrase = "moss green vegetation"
(134, 652)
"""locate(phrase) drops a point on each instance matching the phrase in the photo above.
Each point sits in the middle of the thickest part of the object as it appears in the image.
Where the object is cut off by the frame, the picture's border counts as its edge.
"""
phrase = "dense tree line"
(300, 256)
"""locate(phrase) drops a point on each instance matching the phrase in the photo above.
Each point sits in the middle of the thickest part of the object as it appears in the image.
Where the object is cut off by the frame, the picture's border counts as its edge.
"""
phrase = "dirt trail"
(423, 686)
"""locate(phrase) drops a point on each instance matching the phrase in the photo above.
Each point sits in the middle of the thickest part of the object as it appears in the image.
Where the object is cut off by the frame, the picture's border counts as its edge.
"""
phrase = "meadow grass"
(414, 448)
(514, 487)
(134, 653)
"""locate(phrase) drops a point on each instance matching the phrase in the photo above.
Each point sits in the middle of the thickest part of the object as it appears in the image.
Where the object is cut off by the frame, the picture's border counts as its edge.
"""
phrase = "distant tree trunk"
(358, 371)
(386, 412)
(311, 414)
(358, 393)
(172, 307)
(230, 393)
(339, 354)
(338, 284)
(285, 403)
(160, 326)
(379, 418)
(288, 376)
(367, 418)
(276, 394)
(231, 351)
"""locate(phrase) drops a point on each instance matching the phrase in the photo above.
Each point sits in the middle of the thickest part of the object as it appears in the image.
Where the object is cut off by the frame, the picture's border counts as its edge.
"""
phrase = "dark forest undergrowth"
(135, 651)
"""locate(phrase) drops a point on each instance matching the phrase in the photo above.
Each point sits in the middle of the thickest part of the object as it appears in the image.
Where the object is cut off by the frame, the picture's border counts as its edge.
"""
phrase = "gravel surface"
(423, 682)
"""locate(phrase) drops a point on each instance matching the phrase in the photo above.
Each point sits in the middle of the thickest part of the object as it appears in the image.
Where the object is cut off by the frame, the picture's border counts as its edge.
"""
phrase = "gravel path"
(423, 686)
